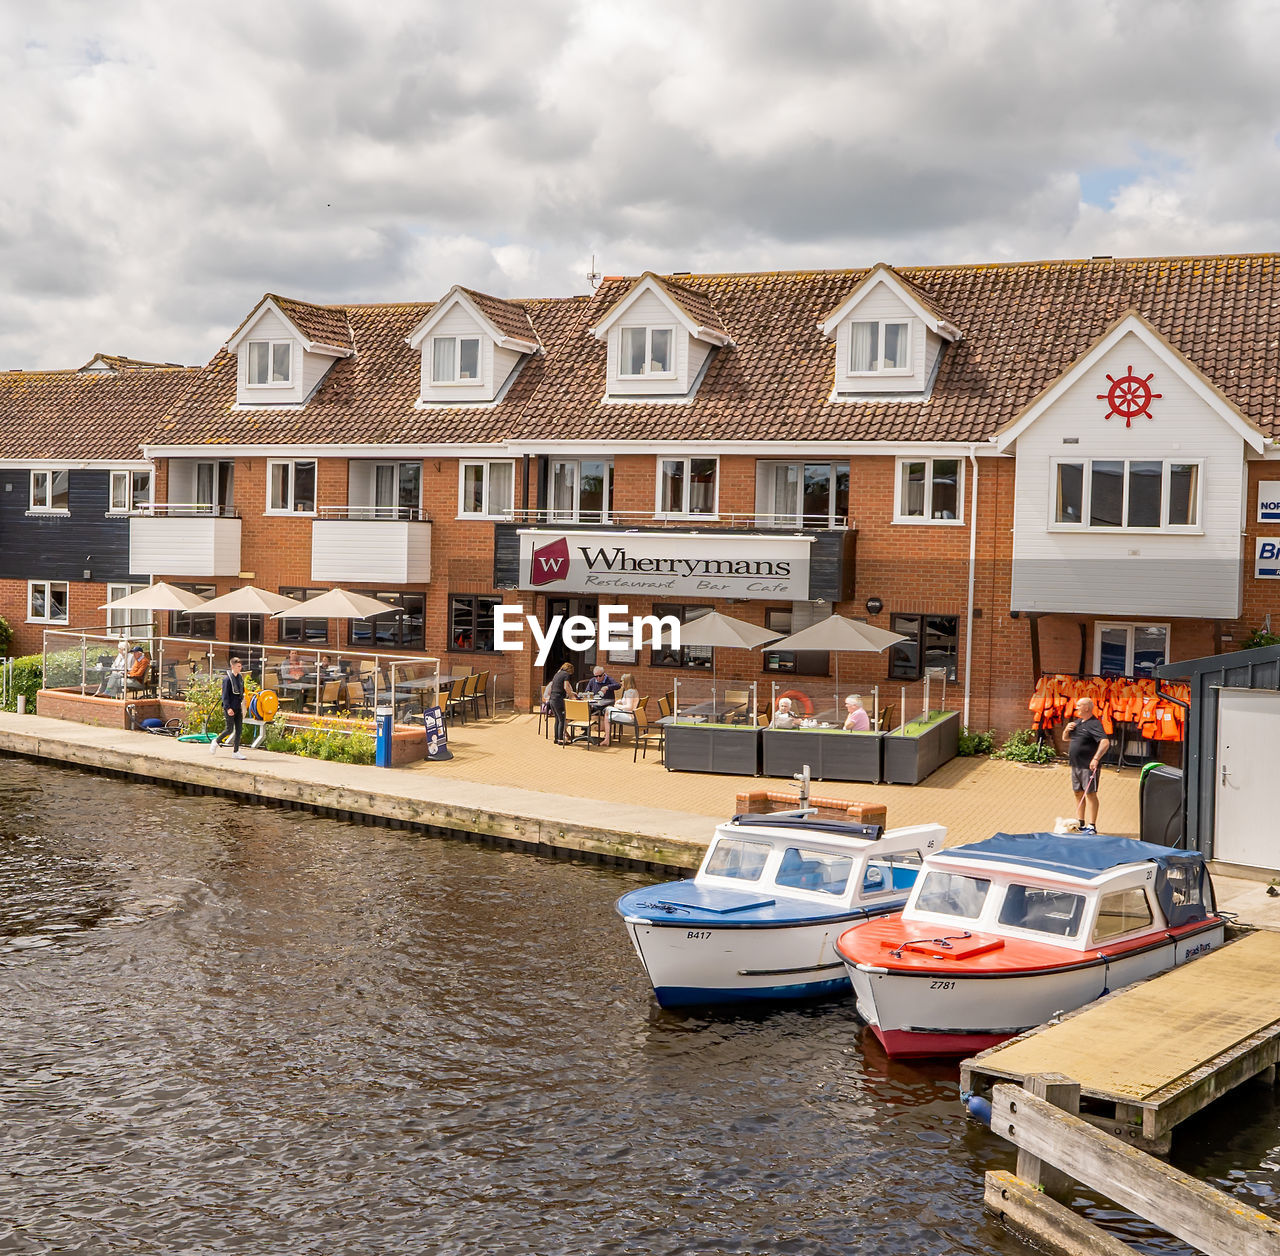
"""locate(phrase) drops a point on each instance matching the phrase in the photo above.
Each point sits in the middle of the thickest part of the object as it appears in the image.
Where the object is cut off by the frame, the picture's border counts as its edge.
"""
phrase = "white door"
(1244, 815)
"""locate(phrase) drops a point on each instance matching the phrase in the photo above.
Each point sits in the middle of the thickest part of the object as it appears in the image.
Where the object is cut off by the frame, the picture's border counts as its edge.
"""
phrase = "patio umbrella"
(337, 604)
(714, 629)
(837, 633)
(249, 600)
(156, 597)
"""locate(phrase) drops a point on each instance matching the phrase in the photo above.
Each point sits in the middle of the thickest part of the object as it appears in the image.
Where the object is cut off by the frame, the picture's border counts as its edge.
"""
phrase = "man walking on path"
(1085, 752)
(233, 706)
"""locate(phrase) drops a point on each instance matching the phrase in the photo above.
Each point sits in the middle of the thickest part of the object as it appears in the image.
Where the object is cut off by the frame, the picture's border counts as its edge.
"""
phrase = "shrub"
(1022, 747)
(6, 637)
(29, 677)
(203, 696)
(1259, 637)
(972, 743)
(325, 741)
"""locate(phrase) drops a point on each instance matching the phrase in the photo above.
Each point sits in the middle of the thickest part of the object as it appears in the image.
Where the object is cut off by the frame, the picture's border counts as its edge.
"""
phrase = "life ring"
(802, 701)
(264, 705)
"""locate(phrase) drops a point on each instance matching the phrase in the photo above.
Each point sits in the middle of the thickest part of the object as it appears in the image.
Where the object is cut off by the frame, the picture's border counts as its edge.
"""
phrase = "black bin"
(1160, 805)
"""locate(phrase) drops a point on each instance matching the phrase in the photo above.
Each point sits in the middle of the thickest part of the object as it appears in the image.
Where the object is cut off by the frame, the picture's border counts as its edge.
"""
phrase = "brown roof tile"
(509, 317)
(323, 324)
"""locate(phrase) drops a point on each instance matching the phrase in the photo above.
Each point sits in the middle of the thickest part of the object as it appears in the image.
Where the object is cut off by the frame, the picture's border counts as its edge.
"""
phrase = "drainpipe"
(973, 549)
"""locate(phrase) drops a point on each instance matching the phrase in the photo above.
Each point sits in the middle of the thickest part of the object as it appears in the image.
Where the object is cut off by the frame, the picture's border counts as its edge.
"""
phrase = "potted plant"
(921, 746)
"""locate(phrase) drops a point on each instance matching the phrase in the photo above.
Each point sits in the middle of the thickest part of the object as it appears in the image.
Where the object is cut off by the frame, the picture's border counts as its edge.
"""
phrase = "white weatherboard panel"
(371, 551)
(882, 303)
(459, 321)
(1086, 571)
(650, 310)
(196, 546)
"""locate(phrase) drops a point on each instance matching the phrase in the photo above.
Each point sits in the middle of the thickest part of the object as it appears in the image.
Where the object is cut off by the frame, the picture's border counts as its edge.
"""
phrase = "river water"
(230, 1029)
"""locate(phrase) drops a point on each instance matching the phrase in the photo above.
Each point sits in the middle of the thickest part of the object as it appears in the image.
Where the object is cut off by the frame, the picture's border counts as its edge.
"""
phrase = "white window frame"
(926, 520)
(487, 511)
(687, 459)
(129, 473)
(456, 381)
(1129, 625)
(48, 586)
(124, 622)
(393, 512)
(574, 513)
(766, 494)
(292, 464)
(878, 370)
(648, 330)
(271, 355)
(33, 508)
(1086, 493)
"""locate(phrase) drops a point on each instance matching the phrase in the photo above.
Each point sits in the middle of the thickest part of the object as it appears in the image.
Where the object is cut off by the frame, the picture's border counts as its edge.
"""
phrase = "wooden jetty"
(1149, 1056)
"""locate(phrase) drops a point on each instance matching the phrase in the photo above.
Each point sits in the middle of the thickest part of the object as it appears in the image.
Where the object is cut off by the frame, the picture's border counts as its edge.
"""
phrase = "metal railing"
(400, 514)
(184, 510)
(623, 519)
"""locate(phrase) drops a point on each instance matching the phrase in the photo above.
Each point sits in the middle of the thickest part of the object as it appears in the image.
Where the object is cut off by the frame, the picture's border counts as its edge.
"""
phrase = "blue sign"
(1266, 559)
(437, 734)
(1269, 501)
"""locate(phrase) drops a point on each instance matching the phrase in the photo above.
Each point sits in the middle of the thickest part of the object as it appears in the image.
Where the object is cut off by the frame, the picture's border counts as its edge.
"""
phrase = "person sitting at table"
(602, 685)
(856, 719)
(293, 668)
(623, 710)
(113, 682)
(784, 717)
(138, 669)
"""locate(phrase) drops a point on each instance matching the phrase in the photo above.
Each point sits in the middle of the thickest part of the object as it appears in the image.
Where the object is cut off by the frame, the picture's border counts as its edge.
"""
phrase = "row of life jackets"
(1116, 700)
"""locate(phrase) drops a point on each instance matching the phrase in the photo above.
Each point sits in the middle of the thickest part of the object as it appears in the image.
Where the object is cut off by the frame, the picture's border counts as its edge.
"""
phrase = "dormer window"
(647, 351)
(455, 359)
(876, 347)
(270, 363)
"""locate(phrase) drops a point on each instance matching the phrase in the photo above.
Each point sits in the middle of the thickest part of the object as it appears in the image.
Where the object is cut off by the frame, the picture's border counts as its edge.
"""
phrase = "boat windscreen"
(1042, 910)
(737, 857)
(953, 894)
(818, 870)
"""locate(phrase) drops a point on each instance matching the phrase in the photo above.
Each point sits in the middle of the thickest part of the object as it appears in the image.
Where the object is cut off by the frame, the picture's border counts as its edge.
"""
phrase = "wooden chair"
(664, 707)
(470, 694)
(457, 700)
(355, 696)
(578, 721)
(644, 704)
(886, 717)
(331, 696)
(647, 734)
(481, 692)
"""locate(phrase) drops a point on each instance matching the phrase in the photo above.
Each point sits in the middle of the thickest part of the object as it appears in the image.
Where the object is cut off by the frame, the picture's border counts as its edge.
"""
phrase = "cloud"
(174, 162)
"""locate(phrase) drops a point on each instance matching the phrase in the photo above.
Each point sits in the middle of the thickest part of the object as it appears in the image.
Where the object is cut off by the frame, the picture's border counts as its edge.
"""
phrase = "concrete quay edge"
(549, 823)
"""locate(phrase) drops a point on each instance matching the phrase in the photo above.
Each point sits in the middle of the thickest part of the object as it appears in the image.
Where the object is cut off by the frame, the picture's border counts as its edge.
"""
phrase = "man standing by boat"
(1085, 751)
(233, 707)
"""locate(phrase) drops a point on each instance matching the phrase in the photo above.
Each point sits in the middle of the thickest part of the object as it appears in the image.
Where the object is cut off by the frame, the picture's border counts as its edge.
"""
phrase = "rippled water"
(229, 1029)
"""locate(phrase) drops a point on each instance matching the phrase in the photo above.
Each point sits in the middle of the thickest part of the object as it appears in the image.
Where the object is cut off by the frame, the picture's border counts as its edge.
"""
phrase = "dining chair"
(578, 721)
(664, 707)
(470, 694)
(330, 695)
(482, 694)
(457, 701)
(644, 704)
(647, 734)
(355, 696)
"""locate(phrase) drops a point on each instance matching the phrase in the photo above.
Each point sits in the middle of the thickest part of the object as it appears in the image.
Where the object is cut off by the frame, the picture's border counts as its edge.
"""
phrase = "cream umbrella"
(714, 629)
(249, 600)
(157, 597)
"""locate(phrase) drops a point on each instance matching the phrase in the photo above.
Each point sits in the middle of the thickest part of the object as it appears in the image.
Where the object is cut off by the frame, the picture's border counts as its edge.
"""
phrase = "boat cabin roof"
(1081, 857)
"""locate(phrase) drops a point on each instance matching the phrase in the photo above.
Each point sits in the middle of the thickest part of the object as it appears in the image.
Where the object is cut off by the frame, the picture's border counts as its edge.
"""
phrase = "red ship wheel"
(1129, 397)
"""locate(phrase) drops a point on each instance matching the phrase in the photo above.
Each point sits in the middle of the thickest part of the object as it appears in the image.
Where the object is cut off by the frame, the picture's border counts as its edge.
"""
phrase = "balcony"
(372, 545)
(185, 540)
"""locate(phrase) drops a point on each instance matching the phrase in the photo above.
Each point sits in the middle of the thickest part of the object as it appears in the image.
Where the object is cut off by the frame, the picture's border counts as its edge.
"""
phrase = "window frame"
(271, 344)
(573, 514)
(130, 473)
(396, 511)
(48, 586)
(295, 632)
(766, 493)
(141, 627)
(176, 617)
(33, 507)
(881, 324)
(475, 600)
(1053, 524)
(292, 464)
(688, 461)
(927, 520)
(686, 661)
(1129, 625)
(486, 511)
(648, 329)
(457, 381)
(395, 599)
(790, 662)
(919, 642)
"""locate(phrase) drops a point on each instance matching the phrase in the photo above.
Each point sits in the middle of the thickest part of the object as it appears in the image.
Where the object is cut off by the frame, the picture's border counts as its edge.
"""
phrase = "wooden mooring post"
(1057, 1147)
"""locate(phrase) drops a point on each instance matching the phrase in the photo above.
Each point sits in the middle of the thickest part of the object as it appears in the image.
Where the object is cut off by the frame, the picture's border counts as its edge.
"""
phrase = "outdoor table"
(712, 710)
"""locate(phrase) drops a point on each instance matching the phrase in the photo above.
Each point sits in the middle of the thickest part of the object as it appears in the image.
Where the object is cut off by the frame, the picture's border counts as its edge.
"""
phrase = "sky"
(165, 164)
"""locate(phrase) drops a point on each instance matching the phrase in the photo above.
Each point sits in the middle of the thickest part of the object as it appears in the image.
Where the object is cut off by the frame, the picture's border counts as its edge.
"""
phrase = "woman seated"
(293, 669)
(625, 705)
(856, 720)
(784, 717)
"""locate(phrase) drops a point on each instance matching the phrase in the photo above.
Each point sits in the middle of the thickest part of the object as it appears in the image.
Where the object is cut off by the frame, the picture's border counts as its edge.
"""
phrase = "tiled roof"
(323, 324)
(93, 414)
(368, 398)
(116, 362)
(698, 305)
(509, 317)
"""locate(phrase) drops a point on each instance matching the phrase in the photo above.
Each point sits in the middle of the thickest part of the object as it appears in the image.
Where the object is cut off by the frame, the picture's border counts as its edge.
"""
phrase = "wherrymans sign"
(707, 564)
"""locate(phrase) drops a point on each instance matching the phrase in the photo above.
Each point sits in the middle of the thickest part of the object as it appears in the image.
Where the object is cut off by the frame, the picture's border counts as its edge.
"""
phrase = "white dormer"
(888, 336)
(471, 346)
(659, 338)
(285, 348)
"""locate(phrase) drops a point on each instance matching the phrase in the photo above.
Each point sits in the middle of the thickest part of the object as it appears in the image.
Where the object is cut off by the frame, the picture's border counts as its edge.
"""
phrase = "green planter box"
(832, 754)
(913, 752)
(729, 749)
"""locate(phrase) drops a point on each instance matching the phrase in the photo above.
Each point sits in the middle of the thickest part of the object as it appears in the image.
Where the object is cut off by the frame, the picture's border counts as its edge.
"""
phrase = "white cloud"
(173, 162)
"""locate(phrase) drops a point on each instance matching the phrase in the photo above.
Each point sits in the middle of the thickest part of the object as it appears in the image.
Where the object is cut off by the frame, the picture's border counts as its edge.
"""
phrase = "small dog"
(1066, 824)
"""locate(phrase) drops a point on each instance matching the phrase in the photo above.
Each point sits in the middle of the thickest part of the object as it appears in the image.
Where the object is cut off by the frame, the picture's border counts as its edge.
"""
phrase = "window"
(581, 492)
(397, 490)
(737, 858)
(687, 486)
(1122, 912)
(246, 629)
(932, 641)
(47, 601)
(687, 655)
(306, 631)
(891, 874)
(1126, 493)
(214, 482)
(816, 870)
(929, 490)
(1042, 910)
(194, 623)
(130, 490)
(1129, 649)
(647, 351)
(487, 490)
(270, 363)
(407, 631)
(50, 491)
(123, 622)
(808, 494)
(471, 622)
(792, 662)
(879, 347)
(291, 488)
(455, 359)
(953, 894)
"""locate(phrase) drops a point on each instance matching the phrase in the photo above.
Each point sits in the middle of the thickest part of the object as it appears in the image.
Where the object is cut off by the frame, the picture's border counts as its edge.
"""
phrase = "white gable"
(647, 291)
(447, 307)
(870, 290)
